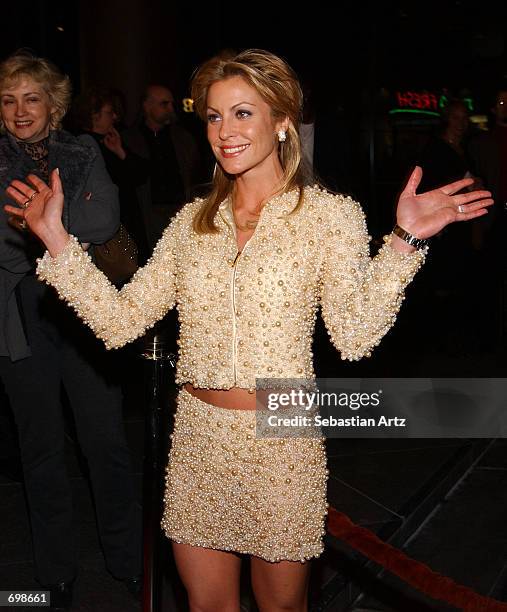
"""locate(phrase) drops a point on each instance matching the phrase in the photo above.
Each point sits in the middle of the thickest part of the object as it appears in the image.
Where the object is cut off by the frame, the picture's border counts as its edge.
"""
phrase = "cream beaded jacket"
(249, 315)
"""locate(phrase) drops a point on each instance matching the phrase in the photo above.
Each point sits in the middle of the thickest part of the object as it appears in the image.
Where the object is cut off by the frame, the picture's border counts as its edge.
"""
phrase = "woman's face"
(241, 129)
(103, 121)
(26, 110)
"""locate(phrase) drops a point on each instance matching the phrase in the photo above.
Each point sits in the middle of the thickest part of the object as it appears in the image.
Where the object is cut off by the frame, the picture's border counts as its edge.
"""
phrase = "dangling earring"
(282, 135)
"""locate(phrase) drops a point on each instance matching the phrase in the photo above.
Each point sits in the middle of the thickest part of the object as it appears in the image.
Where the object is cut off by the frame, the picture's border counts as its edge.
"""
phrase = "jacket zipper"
(233, 298)
(233, 301)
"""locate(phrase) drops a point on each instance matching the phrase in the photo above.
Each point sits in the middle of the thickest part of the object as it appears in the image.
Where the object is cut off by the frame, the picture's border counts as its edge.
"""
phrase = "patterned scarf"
(38, 151)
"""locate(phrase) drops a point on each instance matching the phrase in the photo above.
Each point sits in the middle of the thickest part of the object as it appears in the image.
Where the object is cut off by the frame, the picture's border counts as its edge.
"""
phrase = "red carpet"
(413, 572)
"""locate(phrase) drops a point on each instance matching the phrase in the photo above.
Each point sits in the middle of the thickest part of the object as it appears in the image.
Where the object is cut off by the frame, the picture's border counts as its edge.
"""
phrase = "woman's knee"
(280, 587)
(205, 604)
(211, 578)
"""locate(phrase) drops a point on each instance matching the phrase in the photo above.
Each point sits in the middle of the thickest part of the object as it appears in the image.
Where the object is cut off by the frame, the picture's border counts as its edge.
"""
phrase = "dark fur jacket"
(91, 213)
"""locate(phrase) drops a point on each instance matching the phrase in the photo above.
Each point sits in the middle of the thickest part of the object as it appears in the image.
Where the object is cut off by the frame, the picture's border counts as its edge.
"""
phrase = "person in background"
(447, 281)
(444, 158)
(42, 348)
(488, 154)
(248, 267)
(94, 113)
(488, 150)
(174, 165)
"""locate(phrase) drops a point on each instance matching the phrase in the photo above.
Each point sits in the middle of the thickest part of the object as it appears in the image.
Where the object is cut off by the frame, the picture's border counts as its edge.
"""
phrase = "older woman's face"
(26, 110)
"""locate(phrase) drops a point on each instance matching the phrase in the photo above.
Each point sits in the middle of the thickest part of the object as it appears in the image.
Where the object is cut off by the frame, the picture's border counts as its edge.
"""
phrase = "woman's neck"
(251, 191)
(42, 140)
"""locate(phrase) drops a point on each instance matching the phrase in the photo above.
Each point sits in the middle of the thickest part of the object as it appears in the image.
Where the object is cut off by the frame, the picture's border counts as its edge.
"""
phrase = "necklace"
(250, 223)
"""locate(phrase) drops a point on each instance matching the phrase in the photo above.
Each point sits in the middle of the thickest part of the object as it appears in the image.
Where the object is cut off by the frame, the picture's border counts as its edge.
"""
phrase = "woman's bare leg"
(211, 578)
(280, 586)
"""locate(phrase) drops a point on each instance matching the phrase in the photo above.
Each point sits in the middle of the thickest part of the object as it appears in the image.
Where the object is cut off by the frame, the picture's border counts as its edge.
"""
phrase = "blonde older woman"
(41, 348)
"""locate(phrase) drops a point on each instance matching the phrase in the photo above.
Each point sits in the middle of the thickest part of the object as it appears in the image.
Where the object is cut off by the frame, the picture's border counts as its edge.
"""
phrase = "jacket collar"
(65, 152)
(73, 159)
(277, 207)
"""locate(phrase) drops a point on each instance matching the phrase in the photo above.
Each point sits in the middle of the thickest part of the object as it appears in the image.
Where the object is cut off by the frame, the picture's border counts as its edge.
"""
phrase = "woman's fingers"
(453, 188)
(15, 211)
(412, 183)
(467, 215)
(472, 196)
(38, 183)
(23, 193)
(467, 208)
(20, 197)
(56, 182)
(30, 189)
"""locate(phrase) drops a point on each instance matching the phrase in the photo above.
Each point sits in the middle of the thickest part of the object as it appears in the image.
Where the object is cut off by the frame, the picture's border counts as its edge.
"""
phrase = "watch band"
(418, 243)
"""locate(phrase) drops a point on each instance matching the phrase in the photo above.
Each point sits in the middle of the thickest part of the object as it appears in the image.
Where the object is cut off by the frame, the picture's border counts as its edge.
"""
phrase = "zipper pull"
(233, 262)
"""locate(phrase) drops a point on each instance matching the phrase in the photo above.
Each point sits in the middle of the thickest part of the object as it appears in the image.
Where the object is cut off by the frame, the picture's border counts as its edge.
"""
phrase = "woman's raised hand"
(426, 214)
(113, 142)
(40, 208)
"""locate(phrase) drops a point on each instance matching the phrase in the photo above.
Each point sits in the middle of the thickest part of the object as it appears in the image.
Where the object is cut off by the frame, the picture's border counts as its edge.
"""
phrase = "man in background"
(174, 160)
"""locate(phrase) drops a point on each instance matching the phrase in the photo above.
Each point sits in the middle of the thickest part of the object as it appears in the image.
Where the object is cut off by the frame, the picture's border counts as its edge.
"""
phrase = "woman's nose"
(20, 109)
(227, 129)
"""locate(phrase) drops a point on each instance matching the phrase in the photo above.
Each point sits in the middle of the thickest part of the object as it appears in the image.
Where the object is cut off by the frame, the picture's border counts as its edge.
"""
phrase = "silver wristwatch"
(418, 243)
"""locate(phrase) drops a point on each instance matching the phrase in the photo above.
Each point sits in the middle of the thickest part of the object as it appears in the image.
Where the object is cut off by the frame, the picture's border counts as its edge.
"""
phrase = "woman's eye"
(6, 102)
(243, 114)
(213, 118)
(33, 99)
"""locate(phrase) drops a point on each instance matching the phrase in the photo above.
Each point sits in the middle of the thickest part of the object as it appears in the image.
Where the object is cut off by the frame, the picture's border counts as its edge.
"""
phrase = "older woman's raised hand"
(426, 214)
(40, 207)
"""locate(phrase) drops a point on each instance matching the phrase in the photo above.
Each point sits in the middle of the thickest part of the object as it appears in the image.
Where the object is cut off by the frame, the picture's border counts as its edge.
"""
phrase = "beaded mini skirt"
(228, 489)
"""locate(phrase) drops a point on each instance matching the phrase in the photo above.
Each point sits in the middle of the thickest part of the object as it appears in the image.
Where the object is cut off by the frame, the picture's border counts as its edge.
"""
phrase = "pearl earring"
(282, 135)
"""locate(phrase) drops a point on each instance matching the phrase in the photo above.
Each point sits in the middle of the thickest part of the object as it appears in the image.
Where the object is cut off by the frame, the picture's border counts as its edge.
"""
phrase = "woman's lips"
(228, 152)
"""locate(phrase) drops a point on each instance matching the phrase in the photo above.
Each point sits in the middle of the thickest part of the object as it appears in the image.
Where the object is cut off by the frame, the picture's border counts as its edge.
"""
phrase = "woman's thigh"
(211, 577)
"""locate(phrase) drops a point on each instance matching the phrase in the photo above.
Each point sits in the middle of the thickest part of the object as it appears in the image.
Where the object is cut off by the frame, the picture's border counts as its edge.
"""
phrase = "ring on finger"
(27, 202)
(23, 224)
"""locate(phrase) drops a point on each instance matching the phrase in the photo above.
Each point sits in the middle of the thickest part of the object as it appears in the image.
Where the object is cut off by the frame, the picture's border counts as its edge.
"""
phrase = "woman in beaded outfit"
(42, 348)
(247, 268)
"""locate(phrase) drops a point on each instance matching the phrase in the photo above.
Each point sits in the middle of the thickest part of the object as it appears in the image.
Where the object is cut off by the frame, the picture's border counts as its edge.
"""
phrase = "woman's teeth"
(232, 150)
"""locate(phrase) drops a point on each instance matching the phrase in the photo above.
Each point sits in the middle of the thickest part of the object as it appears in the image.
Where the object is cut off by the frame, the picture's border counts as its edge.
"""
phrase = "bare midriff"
(235, 398)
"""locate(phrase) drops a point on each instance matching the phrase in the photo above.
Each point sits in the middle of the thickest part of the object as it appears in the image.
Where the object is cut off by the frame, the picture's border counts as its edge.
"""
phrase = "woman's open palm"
(40, 205)
(426, 214)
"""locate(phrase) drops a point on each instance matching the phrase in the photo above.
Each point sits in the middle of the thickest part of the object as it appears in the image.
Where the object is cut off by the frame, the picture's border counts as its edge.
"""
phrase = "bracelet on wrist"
(418, 243)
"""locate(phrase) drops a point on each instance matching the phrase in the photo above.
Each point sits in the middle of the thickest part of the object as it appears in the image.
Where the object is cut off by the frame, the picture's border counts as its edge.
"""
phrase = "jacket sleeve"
(360, 296)
(116, 317)
(14, 251)
(95, 217)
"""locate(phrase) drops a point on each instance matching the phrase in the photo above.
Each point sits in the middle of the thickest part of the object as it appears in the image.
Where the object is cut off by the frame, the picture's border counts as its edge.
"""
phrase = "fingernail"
(57, 170)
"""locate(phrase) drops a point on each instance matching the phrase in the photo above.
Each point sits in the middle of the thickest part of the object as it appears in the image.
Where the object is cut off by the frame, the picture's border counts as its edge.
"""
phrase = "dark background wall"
(342, 49)
(347, 52)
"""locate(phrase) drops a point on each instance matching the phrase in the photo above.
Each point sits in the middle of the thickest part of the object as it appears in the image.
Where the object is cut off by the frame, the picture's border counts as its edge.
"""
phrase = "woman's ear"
(284, 124)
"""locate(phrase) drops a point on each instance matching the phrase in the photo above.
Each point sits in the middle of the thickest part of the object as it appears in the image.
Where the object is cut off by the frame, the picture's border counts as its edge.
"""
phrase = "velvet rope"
(413, 572)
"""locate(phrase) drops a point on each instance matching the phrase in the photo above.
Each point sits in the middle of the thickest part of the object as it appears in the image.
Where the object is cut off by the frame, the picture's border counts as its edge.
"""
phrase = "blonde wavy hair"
(275, 81)
(56, 84)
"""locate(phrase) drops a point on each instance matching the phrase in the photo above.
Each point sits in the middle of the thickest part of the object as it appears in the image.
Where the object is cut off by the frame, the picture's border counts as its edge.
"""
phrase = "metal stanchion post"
(157, 361)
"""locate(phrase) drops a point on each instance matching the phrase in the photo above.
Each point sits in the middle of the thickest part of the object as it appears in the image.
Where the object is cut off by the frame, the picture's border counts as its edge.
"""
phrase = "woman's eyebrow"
(234, 106)
(30, 93)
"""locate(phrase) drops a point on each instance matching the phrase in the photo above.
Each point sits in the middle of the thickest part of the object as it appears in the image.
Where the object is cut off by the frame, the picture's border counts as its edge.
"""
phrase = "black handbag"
(117, 257)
